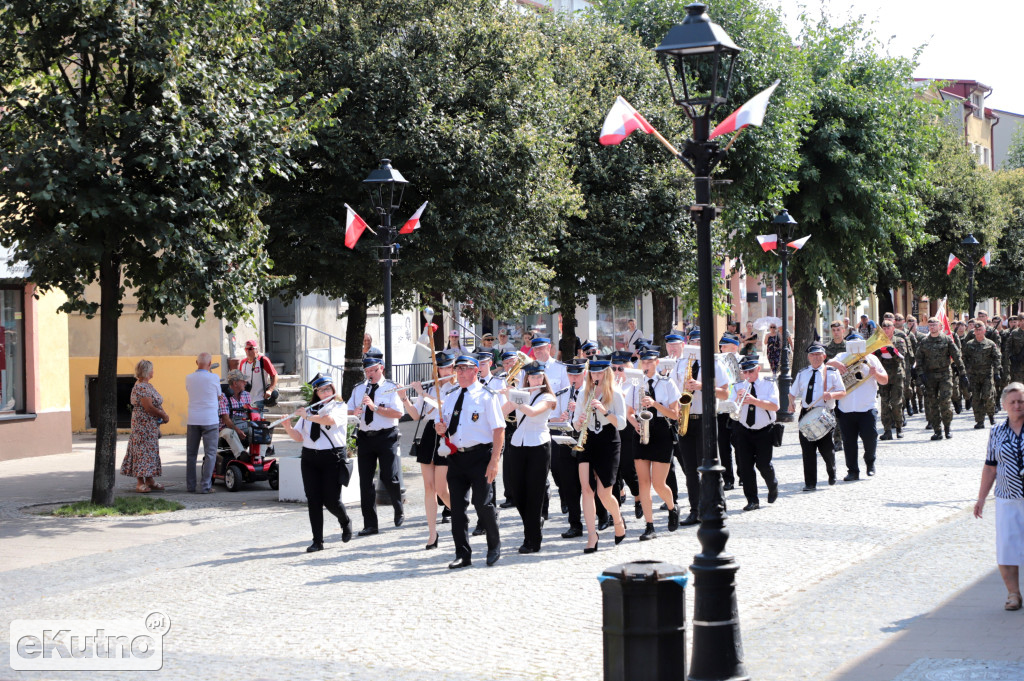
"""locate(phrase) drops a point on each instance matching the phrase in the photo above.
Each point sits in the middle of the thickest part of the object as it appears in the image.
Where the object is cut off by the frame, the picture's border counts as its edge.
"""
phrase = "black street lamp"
(694, 55)
(784, 224)
(970, 244)
(386, 186)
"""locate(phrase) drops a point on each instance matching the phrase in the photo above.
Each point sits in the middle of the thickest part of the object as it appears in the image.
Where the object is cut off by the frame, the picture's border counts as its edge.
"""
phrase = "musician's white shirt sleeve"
(863, 397)
(721, 381)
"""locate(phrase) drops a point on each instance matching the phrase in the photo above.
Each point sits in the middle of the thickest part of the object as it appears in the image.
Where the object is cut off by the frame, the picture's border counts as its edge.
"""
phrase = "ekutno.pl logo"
(96, 645)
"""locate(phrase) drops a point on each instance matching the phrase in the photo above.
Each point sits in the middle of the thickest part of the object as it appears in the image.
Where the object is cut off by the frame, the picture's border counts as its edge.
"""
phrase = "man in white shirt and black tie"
(377, 441)
(854, 413)
(563, 459)
(476, 428)
(817, 385)
(758, 400)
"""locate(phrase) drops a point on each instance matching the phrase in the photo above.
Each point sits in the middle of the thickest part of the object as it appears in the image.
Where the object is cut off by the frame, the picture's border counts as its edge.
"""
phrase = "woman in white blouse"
(322, 429)
(528, 458)
(599, 460)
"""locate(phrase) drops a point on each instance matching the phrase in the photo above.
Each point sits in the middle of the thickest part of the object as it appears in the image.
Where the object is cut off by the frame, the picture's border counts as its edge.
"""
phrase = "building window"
(12, 350)
(613, 324)
(978, 100)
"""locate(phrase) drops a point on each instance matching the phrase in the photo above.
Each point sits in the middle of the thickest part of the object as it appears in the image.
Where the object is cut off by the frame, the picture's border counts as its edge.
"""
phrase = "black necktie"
(369, 412)
(809, 397)
(650, 387)
(453, 424)
(314, 428)
(696, 368)
(750, 409)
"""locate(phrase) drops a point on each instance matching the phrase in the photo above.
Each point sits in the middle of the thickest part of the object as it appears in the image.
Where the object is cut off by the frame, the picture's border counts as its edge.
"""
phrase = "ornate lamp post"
(386, 186)
(699, 58)
(970, 244)
(784, 224)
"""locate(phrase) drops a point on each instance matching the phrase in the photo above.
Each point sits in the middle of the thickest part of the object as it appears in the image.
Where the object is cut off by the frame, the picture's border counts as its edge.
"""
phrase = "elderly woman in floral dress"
(142, 459)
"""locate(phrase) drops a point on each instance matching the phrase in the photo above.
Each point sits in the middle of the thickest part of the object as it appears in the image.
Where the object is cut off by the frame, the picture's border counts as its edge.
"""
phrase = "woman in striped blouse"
(1004, 466)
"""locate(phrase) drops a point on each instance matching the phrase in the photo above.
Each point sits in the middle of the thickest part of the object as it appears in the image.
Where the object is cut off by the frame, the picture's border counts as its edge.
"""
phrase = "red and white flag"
(943, 318)
(986, 259)
(413, 223)
(799, 243)
(621, 121)
(354, 226)
(769, 242)
(751, 113)
(951, 263)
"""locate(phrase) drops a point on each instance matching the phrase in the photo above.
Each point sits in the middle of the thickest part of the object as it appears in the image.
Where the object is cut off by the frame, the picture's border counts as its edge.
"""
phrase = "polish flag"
(621, 121)
(769, 242)
(943, 318)
(986, 259)
(413, 223)
(751, 113)
(799, 243)
(951, 263)
(354, 226)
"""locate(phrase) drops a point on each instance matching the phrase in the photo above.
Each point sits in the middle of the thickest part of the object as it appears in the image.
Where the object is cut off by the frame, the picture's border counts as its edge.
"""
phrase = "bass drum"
(817, 423)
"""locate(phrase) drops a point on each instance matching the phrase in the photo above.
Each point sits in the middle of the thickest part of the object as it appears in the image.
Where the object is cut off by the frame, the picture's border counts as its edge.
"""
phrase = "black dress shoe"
(565, 507)
(367, 531)
(810, 488)
(851, 477)
(591, 549)
(528, 548)
(459, 563)
(979, 426)
(437, 538)
(649, 533)
(831, 478)
(638, 510)
(506, 504)
(673, 519)
(871, 469)
(315, 546)
(728, 487)
(773, 492)
(752, 506)
(572, 533)
(691, 519)
(493, 555)
(399, 516)
(445, 517)
(605, 524)
(346, 530)
(479, 531)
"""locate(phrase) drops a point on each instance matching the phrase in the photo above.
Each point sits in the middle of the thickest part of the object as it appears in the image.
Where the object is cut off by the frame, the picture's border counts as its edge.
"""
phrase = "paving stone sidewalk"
(827, 580)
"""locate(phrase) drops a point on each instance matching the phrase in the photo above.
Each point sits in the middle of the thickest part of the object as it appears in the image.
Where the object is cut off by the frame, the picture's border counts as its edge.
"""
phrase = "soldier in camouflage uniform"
(834, 347)
(893, 358)
(915, 333)
(1013, 358)
(933, 359)
(908, 365)
(958, 384)
(982, 360)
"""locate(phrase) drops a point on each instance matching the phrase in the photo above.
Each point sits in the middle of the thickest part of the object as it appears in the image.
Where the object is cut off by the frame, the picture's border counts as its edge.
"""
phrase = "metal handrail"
(306, 328)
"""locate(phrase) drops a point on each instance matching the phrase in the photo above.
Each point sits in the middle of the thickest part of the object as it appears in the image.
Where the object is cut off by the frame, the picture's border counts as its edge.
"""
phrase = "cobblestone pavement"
(825, 577)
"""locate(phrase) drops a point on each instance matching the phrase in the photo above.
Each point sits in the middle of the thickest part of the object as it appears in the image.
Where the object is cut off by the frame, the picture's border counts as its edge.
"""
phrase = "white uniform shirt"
(203, 389)
(863, 398)
(481, 414)
(827, 380)
(617, 409)
(387, 400)
(555, 370)
(564, 398)
(697, 405)
(665, 393)
(766, 390)
(532, 431)
(330, 436)
(426, 412)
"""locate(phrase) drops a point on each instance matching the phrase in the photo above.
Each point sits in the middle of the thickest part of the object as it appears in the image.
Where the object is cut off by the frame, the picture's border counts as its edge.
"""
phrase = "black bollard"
(644, 621)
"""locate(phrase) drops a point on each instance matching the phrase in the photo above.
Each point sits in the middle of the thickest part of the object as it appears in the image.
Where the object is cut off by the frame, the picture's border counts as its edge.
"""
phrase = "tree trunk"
(884, 299)
(106, 429)
(354, 332)
(661, 305)
(567, 342)
(805, 319)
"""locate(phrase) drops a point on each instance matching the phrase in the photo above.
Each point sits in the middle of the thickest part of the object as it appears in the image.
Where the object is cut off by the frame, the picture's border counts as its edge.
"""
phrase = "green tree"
(1004, 277)
(1015, 154)
(131, 135)
(460, 97)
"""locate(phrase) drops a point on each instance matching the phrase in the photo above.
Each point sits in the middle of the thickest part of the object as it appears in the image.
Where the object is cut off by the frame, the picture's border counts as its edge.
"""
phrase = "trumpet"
(734, 407)
(685, 400)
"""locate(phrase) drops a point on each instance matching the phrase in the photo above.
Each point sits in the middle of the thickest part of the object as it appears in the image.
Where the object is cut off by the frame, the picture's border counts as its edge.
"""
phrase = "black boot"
(887, 435)
(937, 435)
(992, 419)
(673, 519)
(649, 533)
(899, 433)
(948, 434)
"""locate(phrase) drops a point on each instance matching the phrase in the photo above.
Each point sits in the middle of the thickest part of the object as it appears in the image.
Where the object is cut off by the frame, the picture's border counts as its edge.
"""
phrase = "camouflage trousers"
(983, 399)
(938, 399)
(909, 391)
(957, 395)
(891, 402)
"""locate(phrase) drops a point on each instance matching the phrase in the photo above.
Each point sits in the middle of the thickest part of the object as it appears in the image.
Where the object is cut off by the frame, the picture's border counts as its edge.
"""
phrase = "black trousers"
(528, 469)
(725, 447)
(754, 450)
(377, 447)
(510, 429)
(690, 450)
(320, 483)
(467, 473)
(809, 452)
(630, 440)
(568, 481)
(851, 425)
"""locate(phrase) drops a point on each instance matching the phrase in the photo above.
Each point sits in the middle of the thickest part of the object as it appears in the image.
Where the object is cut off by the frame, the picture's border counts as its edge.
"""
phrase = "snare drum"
(817, 423)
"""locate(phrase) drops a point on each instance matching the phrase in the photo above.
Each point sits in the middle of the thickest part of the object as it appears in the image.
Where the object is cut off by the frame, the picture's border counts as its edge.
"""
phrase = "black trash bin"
(644, 621)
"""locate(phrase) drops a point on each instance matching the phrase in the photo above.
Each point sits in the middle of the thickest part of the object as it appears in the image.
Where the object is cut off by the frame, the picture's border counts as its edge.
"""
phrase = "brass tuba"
(856, 365)
(685, 400)
(522, 359)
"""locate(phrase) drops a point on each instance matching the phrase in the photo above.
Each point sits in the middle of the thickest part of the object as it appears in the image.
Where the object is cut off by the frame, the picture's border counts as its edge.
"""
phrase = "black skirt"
(602, 452)
(659, 447)
(426, 449)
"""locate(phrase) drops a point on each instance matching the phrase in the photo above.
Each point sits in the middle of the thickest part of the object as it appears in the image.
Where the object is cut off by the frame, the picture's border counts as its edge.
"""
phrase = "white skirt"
(1010, 531)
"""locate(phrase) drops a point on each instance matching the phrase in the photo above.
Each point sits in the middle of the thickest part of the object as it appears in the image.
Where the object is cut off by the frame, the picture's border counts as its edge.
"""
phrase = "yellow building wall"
(52, 361)
(169, 372)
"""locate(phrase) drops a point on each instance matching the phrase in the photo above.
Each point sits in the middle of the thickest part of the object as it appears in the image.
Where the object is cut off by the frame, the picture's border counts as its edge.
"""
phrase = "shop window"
(12, 351)
(123, 405)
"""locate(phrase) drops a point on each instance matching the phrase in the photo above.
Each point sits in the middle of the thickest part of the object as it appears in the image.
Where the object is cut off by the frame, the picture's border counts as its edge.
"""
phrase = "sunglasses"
(837, 326)
(619, 369)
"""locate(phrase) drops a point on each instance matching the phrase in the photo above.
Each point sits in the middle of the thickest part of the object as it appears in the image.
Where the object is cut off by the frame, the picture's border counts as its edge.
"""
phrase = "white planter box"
(291, 489)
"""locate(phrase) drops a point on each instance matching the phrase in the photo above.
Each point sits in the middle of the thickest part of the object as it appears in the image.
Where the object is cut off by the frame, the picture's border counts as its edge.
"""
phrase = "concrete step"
(288, 381)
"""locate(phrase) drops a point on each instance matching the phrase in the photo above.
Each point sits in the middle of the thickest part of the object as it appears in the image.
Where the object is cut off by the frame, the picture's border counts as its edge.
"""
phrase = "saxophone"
(685, 400)
(644, 417)
(587, 413)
